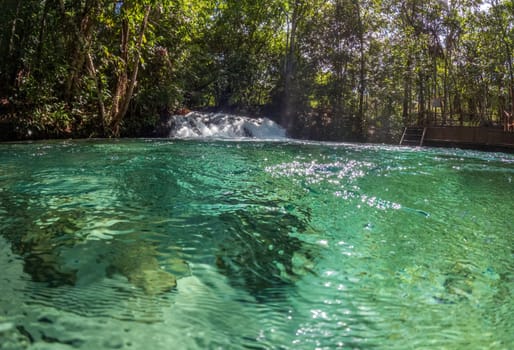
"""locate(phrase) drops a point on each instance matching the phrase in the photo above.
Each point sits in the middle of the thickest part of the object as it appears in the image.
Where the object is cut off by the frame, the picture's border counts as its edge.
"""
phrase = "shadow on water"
(259, 254)
(63, 252)
(119, 277)
(254, 246)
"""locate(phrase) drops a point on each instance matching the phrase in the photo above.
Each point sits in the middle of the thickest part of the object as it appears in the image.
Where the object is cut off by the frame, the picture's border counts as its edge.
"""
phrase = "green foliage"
(326, 69)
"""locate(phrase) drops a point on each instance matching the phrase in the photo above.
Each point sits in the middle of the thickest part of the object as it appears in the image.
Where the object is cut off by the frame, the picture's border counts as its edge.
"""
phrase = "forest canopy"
(330, 70)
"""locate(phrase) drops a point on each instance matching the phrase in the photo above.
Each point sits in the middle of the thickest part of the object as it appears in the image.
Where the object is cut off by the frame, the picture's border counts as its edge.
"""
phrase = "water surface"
(176, 244)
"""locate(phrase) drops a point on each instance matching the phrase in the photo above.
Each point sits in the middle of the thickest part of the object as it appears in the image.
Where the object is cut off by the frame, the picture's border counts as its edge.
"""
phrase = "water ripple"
(284, 245)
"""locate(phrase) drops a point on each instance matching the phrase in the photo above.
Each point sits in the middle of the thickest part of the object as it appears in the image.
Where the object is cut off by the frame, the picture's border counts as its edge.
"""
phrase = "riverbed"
(239, 244)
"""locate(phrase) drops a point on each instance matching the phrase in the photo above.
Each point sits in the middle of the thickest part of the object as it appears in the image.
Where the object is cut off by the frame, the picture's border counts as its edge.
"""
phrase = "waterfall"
(221, 125)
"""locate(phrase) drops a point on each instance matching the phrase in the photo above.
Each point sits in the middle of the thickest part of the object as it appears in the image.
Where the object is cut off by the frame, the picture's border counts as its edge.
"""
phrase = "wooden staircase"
(413, 136)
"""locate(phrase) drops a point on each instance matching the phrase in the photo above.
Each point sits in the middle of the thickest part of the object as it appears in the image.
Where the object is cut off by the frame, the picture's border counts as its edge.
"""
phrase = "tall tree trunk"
(445, 100)
(13, 29)
(127, 78)
(289, 68)
(82, 39)
(41, 35)
(358, 124)
(99, 89)
(511, 85)
(288, 109)
(434, 93)
(421, 99)
(121, 82)
(12, 74)
(407, 92)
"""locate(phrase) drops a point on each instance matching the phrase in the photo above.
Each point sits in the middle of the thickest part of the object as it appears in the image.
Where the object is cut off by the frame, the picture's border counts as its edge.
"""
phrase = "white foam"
(219, 125)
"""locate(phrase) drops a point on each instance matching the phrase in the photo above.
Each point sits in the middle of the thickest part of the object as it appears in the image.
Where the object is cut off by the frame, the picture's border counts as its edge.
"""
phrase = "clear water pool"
(172, 244)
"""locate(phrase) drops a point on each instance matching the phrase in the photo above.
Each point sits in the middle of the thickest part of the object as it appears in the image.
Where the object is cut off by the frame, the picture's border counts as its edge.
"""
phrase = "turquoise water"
(254, 245)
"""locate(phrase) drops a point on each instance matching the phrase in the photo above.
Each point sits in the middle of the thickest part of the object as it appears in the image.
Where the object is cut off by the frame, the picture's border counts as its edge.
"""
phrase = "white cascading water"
(221, 125)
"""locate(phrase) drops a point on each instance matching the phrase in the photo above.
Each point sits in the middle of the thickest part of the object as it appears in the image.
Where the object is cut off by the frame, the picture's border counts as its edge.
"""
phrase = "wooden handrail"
(423, 136)
(508, 125)
(403, 135)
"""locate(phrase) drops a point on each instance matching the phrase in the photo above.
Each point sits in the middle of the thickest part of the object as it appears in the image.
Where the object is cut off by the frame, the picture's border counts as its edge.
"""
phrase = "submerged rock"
(139, 264)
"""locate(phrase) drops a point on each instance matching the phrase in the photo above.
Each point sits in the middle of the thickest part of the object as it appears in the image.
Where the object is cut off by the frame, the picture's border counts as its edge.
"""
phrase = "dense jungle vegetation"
(325, 69)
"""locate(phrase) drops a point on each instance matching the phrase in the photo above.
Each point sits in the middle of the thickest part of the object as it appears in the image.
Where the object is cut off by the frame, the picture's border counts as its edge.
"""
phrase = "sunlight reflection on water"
(210, 244)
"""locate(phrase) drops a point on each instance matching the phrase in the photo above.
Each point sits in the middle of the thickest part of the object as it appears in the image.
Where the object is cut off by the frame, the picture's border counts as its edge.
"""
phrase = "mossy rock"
(140, 265)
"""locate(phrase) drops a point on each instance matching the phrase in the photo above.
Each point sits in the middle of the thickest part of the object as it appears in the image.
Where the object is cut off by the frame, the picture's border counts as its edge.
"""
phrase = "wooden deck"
(486, 138)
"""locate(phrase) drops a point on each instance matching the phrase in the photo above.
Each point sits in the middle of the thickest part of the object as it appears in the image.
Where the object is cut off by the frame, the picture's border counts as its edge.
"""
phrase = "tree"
(127, 68)
(325, 69)
(501, 26)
